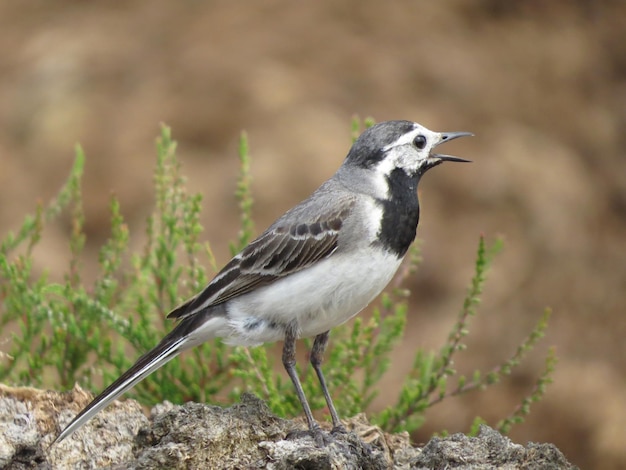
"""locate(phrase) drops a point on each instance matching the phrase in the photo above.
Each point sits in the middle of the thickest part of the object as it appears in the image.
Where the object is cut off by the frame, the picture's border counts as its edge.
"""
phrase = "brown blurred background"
(541, 84)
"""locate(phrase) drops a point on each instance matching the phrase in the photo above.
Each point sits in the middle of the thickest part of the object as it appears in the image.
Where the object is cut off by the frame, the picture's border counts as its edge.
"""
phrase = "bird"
(314, 268)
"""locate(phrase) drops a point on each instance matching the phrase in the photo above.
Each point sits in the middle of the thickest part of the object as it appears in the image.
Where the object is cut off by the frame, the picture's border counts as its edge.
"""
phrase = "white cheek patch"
(403, 154)
(405, 157)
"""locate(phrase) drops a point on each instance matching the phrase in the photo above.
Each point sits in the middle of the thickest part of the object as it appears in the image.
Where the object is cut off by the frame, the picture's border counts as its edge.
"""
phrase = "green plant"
(60, 333)
(428, 381)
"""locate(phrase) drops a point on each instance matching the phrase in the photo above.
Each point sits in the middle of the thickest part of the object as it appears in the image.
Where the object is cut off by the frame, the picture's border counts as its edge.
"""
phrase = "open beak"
(447, 137)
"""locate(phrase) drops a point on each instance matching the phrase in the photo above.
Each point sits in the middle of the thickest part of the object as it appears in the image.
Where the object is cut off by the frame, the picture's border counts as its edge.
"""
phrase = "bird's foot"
(339, 429)
(321, 437)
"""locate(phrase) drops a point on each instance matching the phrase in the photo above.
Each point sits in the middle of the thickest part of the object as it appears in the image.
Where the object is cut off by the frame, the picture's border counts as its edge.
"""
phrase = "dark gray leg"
(289, 362)
(317, 356)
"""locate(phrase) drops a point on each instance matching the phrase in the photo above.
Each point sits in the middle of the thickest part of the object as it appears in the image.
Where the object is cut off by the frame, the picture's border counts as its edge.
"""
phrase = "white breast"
(317, 299)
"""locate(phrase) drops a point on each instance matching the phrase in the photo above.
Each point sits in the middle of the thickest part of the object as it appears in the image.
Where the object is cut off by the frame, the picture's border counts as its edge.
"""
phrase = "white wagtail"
(314, 268)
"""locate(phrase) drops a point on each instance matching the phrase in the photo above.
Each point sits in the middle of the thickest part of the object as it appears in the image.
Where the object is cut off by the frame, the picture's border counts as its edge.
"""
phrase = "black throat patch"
(400, 213)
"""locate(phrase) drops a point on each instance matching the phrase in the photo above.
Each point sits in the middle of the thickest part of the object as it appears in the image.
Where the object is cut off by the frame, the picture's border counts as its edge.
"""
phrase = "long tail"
(179, 339)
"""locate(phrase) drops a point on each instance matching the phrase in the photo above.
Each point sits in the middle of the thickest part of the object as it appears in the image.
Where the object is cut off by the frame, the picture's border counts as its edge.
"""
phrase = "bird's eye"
(420, 142)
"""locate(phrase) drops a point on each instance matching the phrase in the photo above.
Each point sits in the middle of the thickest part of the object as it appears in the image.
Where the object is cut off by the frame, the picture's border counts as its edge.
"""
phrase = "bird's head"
(405, 145)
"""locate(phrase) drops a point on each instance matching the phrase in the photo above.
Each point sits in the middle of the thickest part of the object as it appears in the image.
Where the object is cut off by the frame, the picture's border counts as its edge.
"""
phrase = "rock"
(245, 435)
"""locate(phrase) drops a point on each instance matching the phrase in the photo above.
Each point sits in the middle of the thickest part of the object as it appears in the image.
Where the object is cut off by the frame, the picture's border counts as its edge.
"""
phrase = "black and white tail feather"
(314, 268)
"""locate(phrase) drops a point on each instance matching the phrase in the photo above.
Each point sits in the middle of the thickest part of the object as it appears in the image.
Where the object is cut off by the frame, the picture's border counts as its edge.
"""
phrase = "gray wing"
(285, 248)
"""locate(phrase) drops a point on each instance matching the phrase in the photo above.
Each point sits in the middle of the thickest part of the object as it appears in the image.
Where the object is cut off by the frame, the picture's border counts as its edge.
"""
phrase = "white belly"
(316, 299)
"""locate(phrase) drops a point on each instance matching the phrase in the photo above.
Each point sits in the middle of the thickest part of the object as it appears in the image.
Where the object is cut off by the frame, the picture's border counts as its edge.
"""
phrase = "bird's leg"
(289, 362)
(317, 356)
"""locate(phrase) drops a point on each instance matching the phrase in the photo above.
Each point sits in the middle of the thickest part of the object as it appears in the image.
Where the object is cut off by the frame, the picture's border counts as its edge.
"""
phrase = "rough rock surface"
(245, 435)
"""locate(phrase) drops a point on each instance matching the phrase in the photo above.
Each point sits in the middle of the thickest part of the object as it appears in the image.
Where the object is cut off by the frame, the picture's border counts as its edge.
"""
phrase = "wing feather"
(280, 251)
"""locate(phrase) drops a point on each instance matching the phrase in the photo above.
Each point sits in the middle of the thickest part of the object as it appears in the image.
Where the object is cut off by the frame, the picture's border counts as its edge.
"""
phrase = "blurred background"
(541, 84)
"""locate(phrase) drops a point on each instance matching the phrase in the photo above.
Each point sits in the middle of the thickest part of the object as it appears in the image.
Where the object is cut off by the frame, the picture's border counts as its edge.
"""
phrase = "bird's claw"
(339, 429)
(321, 437)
